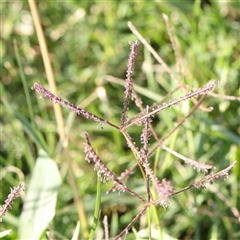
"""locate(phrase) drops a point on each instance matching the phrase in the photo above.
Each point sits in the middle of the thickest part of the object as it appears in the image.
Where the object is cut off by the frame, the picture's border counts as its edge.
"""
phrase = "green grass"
(87, 43)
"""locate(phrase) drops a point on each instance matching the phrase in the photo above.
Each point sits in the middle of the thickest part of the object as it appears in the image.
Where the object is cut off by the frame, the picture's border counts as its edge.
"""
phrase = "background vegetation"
(88, 43)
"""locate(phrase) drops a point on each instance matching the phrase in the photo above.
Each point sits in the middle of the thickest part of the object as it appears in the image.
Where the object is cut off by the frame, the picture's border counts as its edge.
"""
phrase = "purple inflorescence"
(128, 86)
(90, 155)
(40, 89)
(165, 190)
(131, 59)
(201, 91)
(15, 192)
(212, 177)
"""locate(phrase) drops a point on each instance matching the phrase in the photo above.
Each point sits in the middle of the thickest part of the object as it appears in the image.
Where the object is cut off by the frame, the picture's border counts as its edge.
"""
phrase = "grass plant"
(158, 135)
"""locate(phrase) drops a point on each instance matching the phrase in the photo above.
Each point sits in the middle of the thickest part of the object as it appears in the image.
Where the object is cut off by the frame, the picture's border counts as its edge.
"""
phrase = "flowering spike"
(212, 177)
(40, 89)
(165, 190)
(196, 165)
(128, 86)
(200, 91)
(104, 173)
(15, 192)
(146, 132)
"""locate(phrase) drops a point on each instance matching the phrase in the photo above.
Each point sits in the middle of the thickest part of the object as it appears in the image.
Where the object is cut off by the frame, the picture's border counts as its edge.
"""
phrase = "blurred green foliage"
(88, 41)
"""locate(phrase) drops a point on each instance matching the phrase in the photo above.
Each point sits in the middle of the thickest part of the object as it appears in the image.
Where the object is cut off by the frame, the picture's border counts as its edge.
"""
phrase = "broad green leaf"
(41, 197)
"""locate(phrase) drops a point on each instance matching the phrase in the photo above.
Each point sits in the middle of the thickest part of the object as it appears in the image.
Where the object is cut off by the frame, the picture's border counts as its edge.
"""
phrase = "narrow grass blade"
(97, 209)
(33, 133)
(26, 90)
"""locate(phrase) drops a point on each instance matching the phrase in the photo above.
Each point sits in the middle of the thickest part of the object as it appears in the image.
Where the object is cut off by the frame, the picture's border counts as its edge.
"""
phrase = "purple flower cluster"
(165, 190)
